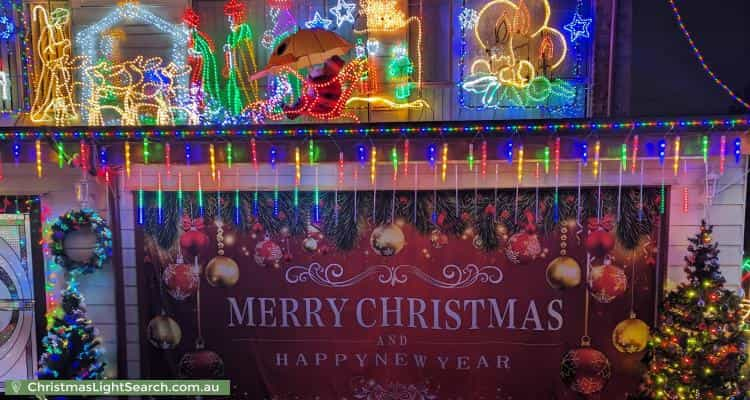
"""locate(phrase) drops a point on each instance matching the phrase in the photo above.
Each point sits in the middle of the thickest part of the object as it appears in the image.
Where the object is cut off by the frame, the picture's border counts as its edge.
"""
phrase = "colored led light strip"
(636, 144)
(704, 148)
(230, 156)
(146, 152)
(699, 56)
(237, 204)
(311, 152)
(127, 159)
(444, 173)
(254, 154)
(212, 160)
(104, 163)
(38, 146)
(484, 158)
(662, 151)
(141, 217)
(685, 200)
(180, 195)
(722, 154)
(188, 154)
(200, 194)
(520, 164)
(16, 152)
(373, 164)
(60, 155)
(676, 163)
(297, 176)
(662, 199)
(394, 161)
(341, 169)
(432, 155)
(509, 152)
(470, 158)
(316, 197)
(584, 154)
(168, 158)
(273, 158)
(557, 157)
(546, 159)
(406, 157)
(84, 156)
(597, 152)
(159, 199)
(737, 150)
(624, 156)
(361, 155)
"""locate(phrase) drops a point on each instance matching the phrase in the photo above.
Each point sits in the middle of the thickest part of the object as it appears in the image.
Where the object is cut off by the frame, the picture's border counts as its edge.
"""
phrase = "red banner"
(405, 314)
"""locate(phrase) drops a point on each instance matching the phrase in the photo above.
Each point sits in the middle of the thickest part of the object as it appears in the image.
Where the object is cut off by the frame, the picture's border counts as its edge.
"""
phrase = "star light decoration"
(318, 22)
(344, 12)
(578, 27)
(468, 18)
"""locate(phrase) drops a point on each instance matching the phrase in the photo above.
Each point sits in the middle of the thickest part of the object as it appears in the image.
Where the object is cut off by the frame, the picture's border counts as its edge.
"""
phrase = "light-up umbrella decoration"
(305, 48)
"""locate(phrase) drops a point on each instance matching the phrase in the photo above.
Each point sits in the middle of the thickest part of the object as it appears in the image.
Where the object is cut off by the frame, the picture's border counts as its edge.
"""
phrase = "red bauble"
(607, 282)
(600, 242)
(585, 370)
(193, 242)
(267, 253)
(204, 364)
(181, 280)
(257, 227)
(523, 248)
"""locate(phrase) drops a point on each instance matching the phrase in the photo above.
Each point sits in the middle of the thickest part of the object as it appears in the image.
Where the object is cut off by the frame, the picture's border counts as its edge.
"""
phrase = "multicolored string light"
(636, 144)
(406, 157)
(38, 147)
(444, 173)
(484, 158)
(676, 161)
(212, 160)
(168, 158)
(127, 159)
(159, 199)
(722, 154)
(597, 152)
(699, 56)
(230, 156)
(146, 152)
(201, 208)
(624, 156)
(546, 159)
(737, 150)
(373, 164)
(470, 157)
(704, 148)
(519, 167)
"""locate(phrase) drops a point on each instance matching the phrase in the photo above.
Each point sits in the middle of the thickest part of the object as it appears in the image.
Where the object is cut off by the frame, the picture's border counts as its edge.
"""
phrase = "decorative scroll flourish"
(453, 276)
(368, 389)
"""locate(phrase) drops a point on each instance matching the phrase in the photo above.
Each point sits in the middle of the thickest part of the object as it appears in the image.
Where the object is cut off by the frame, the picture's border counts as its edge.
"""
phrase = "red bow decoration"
(192, 224)
(606, 223)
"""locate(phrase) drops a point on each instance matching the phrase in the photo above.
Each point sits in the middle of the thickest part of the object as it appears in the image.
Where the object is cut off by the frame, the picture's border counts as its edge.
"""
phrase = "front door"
(17, 328)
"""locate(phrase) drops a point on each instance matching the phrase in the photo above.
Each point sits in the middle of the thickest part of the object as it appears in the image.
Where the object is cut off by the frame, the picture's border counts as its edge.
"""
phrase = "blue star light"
(578, 27)
(344, 12)
(318, 22)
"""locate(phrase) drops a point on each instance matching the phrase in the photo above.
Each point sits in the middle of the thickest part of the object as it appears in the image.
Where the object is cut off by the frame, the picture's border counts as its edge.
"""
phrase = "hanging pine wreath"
(81, 241)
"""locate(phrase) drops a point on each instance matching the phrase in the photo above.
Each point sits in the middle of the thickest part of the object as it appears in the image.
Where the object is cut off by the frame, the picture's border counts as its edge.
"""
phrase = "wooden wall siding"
(58, 196)
(132, 327)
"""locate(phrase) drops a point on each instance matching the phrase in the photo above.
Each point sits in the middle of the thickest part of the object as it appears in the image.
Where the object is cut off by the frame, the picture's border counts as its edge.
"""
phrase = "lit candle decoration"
(406, 157)
(159, 200)
(509, 151)
(188, 154)
(127, 159)
(38, 146)
(676, 164)
(546, 159)
(212, 160)
(624, 156)
(140, 197)
(722, 154)
(200, 194)
(470, 158)
(168, 158)
(445, 162)
(597, 150)
(394, 161)
(520, 163)
(662, 151)
(432, 155)
(685, 199)
(737, 150)
(484, 158)
(60, 155)
(230, 156)
(146, 152)
(704, 148)
(636, 144)
(373, 164)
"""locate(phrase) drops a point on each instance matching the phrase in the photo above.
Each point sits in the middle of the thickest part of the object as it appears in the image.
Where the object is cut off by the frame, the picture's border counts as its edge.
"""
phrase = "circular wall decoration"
(81, 241)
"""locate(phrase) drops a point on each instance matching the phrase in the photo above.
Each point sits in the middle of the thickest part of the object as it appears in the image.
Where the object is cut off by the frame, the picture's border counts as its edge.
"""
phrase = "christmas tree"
(699, 347)
(71, 347)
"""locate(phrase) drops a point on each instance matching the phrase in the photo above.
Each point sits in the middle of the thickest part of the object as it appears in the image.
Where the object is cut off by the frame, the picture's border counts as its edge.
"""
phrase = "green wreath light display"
(73, 221)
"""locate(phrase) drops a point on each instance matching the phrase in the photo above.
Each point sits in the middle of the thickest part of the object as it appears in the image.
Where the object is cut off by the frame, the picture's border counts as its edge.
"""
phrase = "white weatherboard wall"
(58, 195)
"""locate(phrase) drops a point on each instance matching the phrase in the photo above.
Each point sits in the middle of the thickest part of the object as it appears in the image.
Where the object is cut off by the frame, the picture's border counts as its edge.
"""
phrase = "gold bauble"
(163, 332)
(222, 271)
(387, 240)
(563, 273)
(631, 335)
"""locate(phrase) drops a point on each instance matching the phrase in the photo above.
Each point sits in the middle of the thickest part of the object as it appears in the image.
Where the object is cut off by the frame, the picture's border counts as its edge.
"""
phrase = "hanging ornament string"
(699, 56)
